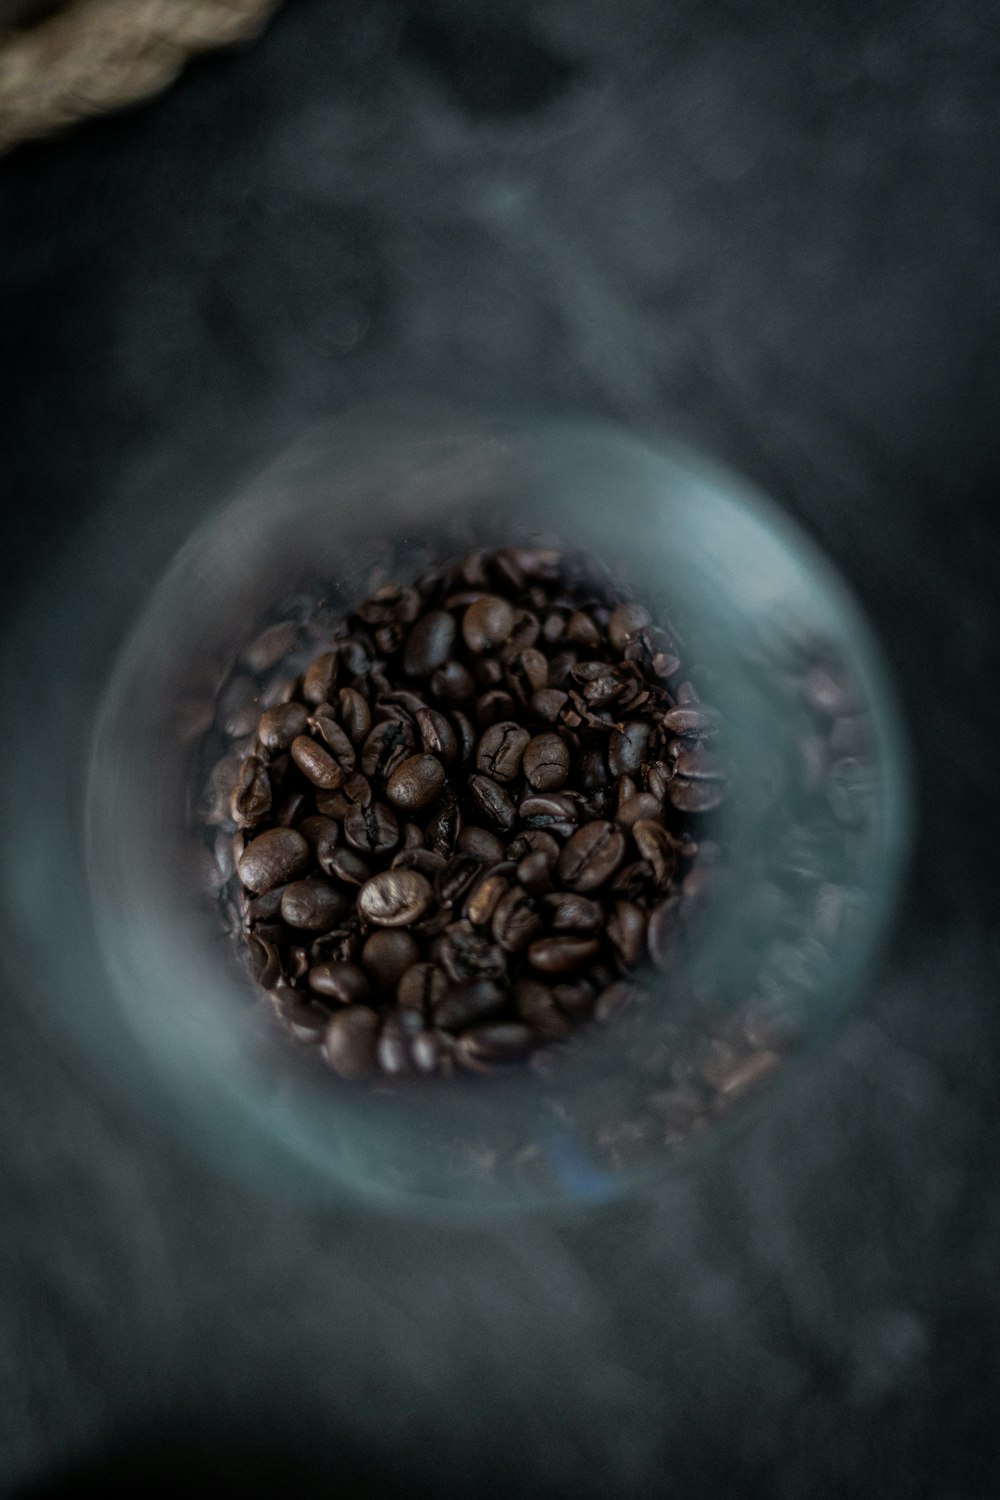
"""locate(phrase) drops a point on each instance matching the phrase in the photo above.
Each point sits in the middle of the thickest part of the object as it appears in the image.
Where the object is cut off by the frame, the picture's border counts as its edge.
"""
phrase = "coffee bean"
(562, 955)
(355, 792)
(386, 747)
(548, 703)
(546, 762)
(516, 921)
(422, 987)
(534, 872)
(371, 830)
(696, 796)
(335, 740)
(344, 982)
(251, 797)
(456, 878)
(573, 913)
(627, 931)
(613, 1000)
(273, 858)
(395, 898)
(627, 748)
(270, 646)
(467, 1003)
(487, 623)
(483, 899)
(662, 931)
(265, 964)
(480, 843)
(349, 1042)
(316, 763)
(320, 678)
(500, 750)
(546, 809)
(499, 1042)
(238, 707)
(429, 644)
(279, 726)
(437, 735)
(492, 801)
(536, 1006)
(426, 1050)
(453, 683)
(416, 782)
(626, 623)
(656, 846)
(355, 715)
(591, 856)
(322, 835)
(387, 955)
(346, 865)
(643, 807)
(582, 630)
(313, 903)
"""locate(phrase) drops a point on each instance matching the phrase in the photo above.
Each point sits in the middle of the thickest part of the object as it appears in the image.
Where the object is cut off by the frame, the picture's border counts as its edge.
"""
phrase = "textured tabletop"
(774, 230)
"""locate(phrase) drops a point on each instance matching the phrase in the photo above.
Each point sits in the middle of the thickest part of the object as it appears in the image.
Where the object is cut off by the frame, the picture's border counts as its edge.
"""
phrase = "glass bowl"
(793, 887)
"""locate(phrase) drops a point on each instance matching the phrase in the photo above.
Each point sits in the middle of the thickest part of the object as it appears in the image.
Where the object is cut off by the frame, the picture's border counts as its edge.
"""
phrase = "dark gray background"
(774, 229)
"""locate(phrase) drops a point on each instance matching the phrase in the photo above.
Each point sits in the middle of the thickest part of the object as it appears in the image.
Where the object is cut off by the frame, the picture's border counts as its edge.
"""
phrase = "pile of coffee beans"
(464, 823)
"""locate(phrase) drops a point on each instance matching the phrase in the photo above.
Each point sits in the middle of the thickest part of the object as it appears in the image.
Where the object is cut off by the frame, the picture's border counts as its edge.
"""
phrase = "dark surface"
(774, 229)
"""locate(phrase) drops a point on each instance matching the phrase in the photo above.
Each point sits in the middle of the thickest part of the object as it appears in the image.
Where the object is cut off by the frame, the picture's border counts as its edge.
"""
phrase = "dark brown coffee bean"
(534, 872)
(273, 858)
(572, 913)
(536, 1006)
(422, 987)
(265, 908)
(355, 792)
(527, 672)
(322, 835)
(428, 861)
(492, 801)
(313, 903)
(695, 763)
(592, 770)
(279, 726)
(562, 955)
(533, 841)
(575, 999)
(544, 809)
(516, 921)
(346, 865)
(343, 982)
(335, 740)
(591, 856)
(349, 1042)
(388, 744)
(456, 878)
(483, 899)
(265, 964)
(251, 798)
(466, 735)
(429, 644)
(392, 1051)
(371, 830)
(693, 722)
(395, 898)
(238, 708)
(627, 748)
(494, 707)
(437, 735)
(656, 847)
(546, 762)
(453, 683)
(582, 630)
(627, 931)
(487, 623)
(613, 1001)
(643, 807)
(270, 646)
(316, 763)
(355, 715)
(320, 678)
(662, 931)
(500, 750)
(416, 782)
(467, 1003)
(626, 623)
(548, 703)
(480, 843)
(426, 1050)
(387, 955)
(496, 1042)
(444, 824)
(696, 796)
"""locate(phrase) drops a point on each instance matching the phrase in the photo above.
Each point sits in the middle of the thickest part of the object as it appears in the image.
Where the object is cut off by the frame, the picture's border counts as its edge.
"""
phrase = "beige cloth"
(98, 55)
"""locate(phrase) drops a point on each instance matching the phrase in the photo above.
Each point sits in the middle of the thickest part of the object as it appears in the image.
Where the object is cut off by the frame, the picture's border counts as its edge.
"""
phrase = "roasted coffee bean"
(279, 726)
(613, 1000)
(355, 792)
(346, 865)
(499, 1042)
(467, 954)
(444, 824)
(251, 798)
(546, 809)
(335, 740)
(456, 878)
(548, 703)
(322, 835)
(662, 930)
(562, 955)
(533, 841)
(536, 1006)
(388, 744)
(494, 707)
(371, 830)
(573, 913)
(349, 1042)
(270, 646)
(467, 1003)
(583, 631)
(546, 762)
(265, 908)
(238, 708)
(656, 846)
(428, 861)
(320, 678)
(465, 733)
(591, 856)
(692, 722)
(516, 921)
(395, 898)
(422, 987)
(500, 751)
(527, 672)
(483, 899)
(344, 982)
(416, 782)
(627, 931)
(453, 683)
(316, 763)
(426, 1050)
(387, 955)
(487, 623)
(429, 644)
(265, 964)
(355, 715)
(313, 903)
(643, 807)
(534, 872)
(492, 801)
(696, 796)
(392, 1052)
(480, 843)
(627, 748)
(437, 735)
(273, 858)
(626, 623)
